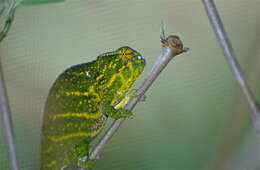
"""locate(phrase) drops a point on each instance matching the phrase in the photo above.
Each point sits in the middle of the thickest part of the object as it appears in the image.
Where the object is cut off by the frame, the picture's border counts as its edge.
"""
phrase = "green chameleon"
(80, 101)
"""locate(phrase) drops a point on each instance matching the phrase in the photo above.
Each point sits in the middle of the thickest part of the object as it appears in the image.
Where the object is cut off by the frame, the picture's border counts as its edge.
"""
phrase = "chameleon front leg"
(112, 112)
(131, 93)
(117, 111)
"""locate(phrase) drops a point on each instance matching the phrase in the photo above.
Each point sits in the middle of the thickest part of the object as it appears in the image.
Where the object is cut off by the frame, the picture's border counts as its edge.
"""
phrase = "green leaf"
(34, 2)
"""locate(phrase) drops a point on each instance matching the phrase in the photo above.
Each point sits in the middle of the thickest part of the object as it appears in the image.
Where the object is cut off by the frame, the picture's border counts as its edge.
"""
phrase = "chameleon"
(79, 103)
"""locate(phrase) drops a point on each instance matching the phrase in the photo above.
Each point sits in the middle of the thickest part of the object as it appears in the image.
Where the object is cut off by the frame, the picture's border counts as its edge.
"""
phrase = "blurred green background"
(194, 117)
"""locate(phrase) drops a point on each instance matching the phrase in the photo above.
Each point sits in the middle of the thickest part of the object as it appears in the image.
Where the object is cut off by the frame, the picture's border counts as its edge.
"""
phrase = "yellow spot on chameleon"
(99, 77)
(110, 65)
(94, 93)
(129, 64)
(50, 149)
(52, 163)
(114, 66)
(75, 93)
(122, 103)
(82, 73)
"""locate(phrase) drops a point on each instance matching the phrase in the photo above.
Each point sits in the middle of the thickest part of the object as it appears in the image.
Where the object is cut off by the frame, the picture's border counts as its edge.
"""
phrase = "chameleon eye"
(139, 57)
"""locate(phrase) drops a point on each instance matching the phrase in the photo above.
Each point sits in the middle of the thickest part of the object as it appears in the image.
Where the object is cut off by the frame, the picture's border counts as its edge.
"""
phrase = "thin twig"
(9, 18)
(7, 124)
(226, 46)
(232, 61)
(5, 112)
(172, 46)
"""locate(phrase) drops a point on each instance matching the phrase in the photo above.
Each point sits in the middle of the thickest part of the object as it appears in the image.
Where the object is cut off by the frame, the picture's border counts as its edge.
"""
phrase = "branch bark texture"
(172, 46)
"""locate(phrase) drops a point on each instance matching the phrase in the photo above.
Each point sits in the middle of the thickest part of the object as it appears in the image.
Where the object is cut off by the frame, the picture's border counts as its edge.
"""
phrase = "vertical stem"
(226, 46)
(7, 124)
(232, 61)
(9, 19)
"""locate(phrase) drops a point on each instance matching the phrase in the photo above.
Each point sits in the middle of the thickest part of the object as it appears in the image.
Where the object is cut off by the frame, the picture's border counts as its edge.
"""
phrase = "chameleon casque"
(80, 101)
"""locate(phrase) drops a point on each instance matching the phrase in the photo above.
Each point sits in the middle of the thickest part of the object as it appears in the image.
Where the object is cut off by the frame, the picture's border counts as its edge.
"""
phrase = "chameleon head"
(132, 60)
(121, 68)
(124, 65)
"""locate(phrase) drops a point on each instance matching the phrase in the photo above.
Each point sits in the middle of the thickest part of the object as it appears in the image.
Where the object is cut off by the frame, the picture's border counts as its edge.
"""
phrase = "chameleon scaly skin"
(79, 103)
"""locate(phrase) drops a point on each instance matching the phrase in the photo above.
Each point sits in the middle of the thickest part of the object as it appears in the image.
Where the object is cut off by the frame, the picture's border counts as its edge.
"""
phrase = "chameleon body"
(80, 101)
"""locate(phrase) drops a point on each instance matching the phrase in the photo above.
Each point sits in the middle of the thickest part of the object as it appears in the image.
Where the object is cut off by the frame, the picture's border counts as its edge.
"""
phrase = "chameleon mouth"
(135, 63)
(140, 60)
